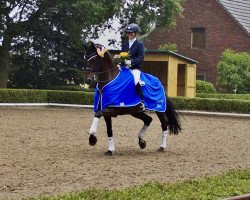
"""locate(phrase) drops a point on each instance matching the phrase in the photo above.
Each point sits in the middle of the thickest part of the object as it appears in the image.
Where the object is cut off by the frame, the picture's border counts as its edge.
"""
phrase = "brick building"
(205, 30)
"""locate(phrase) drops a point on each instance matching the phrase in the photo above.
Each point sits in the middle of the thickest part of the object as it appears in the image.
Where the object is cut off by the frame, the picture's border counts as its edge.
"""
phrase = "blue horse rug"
(121, 92)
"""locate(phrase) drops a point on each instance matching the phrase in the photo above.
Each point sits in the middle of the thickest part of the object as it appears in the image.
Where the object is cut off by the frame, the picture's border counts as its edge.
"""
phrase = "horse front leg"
(164, 125)
(147, 120)
(93, 130)
(111, 142)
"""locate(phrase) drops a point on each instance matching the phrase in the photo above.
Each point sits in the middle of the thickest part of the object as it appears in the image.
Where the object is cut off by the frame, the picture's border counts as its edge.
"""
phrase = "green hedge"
(78, 97)
(211, 104)
(23, 96)
(45, 96)
(65, 97)
(71, 97)
(70, 88)
(224, 96)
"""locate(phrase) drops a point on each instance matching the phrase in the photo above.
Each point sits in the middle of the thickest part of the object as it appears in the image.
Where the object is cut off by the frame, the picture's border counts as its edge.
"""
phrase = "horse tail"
(173, 117)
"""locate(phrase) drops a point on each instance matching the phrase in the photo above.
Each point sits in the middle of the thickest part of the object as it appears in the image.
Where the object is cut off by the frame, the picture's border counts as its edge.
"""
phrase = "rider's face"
(131, 35)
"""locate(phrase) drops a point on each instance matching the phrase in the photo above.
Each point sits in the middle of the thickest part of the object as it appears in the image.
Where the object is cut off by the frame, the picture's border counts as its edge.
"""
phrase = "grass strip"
(208, 188)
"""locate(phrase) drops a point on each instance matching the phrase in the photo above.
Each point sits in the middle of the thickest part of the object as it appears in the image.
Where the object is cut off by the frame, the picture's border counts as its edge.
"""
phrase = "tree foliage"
(168, 47)
(234, 72)
(41, 41)
(149, 14)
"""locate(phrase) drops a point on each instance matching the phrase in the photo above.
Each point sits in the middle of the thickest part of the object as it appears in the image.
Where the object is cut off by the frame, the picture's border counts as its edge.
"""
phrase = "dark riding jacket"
(136, 52)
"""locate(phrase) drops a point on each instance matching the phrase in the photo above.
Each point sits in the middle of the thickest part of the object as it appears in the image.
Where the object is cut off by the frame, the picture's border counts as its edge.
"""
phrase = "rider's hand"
(127, 62)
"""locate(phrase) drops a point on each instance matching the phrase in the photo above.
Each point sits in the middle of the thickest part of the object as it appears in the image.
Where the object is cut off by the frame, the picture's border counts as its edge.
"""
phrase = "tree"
(234, 72)
(46, 33)
(150, 14)
(41, 41)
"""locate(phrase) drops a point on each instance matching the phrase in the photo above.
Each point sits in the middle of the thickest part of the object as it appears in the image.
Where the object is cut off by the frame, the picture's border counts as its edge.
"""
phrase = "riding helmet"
(132, 28)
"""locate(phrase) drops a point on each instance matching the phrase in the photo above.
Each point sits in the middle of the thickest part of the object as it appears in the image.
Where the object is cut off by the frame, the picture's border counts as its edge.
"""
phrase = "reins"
(96, 70)
(109, 70)
(96, 74)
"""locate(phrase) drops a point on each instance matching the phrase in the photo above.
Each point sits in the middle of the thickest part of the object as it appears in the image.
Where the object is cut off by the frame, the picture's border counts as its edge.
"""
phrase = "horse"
(104, 70)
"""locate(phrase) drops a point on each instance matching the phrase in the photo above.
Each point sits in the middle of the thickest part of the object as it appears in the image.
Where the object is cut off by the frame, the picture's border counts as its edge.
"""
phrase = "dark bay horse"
(103, 69)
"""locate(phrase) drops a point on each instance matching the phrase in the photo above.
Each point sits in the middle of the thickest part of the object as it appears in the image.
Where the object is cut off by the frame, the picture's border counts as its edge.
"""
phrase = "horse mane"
(109, 57)
(92, 50)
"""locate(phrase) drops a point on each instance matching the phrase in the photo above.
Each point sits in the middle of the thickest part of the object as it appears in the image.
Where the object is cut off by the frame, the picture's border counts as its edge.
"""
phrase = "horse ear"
(92, 45)
(101, 52)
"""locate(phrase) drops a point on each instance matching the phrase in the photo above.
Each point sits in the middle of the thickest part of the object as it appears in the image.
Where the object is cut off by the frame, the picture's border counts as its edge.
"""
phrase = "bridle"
(89, 58)
(96, 70)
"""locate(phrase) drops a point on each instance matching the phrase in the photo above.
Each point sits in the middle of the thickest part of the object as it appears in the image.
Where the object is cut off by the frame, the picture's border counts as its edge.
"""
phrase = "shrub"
(204, 87)
(65, 97)
(210, 104)
(22, 96)
(71, 97)
(224, 96)
(87, 98)
(71, 88)
(45, 96)
(168, 47)
(233, 72)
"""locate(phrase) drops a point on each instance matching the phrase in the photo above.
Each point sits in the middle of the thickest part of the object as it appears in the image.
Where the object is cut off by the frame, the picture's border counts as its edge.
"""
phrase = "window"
(198, 38)
(201, 77)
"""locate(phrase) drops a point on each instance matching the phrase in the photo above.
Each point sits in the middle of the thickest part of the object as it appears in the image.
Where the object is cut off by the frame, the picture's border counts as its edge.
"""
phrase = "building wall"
(222, 32)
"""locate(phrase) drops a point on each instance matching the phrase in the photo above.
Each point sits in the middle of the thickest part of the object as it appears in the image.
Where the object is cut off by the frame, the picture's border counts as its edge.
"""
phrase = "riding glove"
(127, 62)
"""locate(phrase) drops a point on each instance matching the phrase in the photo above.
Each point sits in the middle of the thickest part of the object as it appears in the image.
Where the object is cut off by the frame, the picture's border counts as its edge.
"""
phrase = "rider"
(136, 52)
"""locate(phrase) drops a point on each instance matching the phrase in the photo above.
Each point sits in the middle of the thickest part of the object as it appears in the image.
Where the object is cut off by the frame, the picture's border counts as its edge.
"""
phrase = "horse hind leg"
(147, 120)
(163, 141)
(164, 125)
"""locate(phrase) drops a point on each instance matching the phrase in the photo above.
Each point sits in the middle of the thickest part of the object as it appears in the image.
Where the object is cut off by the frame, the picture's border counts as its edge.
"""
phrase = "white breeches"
(137, 74)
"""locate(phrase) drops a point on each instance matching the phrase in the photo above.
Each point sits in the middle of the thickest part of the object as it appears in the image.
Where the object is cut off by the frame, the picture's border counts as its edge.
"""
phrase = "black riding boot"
(140, 93)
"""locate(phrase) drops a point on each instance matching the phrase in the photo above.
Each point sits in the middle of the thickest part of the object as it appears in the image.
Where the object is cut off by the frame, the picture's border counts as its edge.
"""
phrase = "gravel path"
(45, 151)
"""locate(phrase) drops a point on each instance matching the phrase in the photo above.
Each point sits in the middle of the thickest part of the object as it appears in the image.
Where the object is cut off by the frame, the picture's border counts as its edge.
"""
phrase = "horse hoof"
(92, 140)
(161, 149)
(142, 143)
(108, 153)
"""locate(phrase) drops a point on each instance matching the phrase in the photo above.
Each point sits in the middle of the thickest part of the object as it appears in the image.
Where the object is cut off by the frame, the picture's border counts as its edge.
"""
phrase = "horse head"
(98, 62)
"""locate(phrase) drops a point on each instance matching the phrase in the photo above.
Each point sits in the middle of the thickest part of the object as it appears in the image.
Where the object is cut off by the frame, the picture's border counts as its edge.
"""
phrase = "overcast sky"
(110, 34)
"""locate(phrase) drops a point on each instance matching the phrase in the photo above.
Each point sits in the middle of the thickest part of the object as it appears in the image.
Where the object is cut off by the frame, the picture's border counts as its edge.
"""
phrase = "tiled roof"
(239, 10)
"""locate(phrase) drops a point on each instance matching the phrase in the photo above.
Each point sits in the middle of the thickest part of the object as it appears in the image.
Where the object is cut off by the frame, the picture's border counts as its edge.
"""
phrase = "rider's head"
(132, 30)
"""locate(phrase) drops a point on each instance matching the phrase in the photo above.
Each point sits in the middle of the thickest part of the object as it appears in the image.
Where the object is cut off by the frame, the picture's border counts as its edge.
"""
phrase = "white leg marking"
(94, 126)
(164, 139)
(111, 144)
(142, 132)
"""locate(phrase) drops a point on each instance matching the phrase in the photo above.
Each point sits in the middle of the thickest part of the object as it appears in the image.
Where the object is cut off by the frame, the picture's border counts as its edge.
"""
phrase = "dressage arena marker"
(91, 107)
